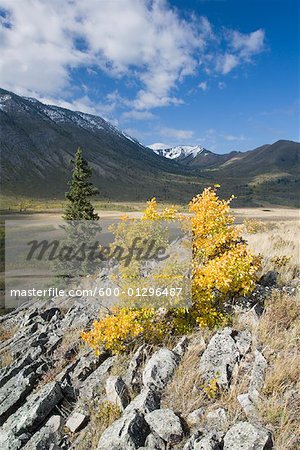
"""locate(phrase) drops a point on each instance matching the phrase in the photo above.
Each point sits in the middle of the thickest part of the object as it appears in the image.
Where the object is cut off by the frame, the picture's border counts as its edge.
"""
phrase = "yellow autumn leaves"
(222, 268)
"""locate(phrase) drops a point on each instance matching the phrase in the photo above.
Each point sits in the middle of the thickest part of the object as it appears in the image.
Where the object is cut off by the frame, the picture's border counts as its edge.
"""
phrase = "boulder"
(47, 314)
(160, 368)
(153, 441)
(209, 442)
(117, 392)
(269, 279)
(133, 375)
(243, 341)
(165, 424)
(216, 421)
(15, 391)
(55, 422)
(42, 440)
(76, 421)
(29, 416)
(194, 418)
(182, 346)
(201, 441)
(127, 433)
(248, 407)
(222, 354)
(87, 364)
(257, 376)
(96, 380)
(148, 400)
(247, 436)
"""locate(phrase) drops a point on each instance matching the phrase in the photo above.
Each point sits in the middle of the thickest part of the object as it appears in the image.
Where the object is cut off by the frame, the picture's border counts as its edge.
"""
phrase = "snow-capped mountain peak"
(11, 102)
(180, 152)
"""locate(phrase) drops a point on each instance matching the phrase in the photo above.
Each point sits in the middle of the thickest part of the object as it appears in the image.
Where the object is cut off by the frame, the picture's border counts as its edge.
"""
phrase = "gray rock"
(148, 400)
(42, 440)
(216, 420)
(133, 375)
(117, 392)
(246, 436)
(55, 422)
(269, 279)
(200, 441)
(243, 341)
(165, 424)
(248, 407)
(48, 314)
(154, 442)
(189, 445)
(10, 371)
(160, 368)
(96, 381)
(222, 354)
(86, 366)
(29, 416)
(257, 376)
(209, 442)
(194, 418)
(127, 433)
(182, 346)
(15, 391)
(76, 421)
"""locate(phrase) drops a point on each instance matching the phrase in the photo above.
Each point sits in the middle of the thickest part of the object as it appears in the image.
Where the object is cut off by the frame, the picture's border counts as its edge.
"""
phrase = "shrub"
(253, 226)
(222, 268)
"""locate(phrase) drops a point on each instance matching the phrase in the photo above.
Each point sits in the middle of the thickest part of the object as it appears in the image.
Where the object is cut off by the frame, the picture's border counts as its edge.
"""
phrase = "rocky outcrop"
(127, 433)
(248, 437)
(165, 424)
(222, 354)
(53, 386)
(160, 368)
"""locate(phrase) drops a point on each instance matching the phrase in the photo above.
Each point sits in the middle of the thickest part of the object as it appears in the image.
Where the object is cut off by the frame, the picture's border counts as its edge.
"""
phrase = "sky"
(223, 74)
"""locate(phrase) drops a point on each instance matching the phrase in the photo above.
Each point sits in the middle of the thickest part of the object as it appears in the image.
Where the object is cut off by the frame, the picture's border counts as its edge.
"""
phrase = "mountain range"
(194, 156)
(37, 142)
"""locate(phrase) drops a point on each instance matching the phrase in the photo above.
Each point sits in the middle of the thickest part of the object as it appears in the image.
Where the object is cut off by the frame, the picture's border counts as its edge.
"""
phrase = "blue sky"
(219, 73)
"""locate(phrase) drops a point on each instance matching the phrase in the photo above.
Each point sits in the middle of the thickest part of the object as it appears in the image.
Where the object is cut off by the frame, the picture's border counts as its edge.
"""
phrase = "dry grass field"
(277, 334)
(278, 243)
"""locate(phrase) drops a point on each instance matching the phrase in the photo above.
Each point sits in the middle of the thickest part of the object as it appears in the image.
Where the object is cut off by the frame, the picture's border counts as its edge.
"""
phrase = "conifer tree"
(81, 189)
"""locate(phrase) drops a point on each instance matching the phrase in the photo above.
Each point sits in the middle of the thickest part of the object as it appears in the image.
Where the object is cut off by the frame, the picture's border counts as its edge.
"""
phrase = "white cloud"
(40, 45)
(42, 42)
(176, 133)
(242, 46)
(248, 44)
(203, 85)
(82, 104)
(232, 137)
(138, 115)
(227, 62)
(158, 146)
(221, 85)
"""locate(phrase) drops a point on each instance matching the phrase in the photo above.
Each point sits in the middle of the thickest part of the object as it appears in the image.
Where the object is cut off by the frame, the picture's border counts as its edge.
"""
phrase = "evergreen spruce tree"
(81, 189)
(81, 223)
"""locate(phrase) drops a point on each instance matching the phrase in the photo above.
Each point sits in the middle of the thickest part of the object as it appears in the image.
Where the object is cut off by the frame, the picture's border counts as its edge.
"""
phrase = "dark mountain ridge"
(37, 142)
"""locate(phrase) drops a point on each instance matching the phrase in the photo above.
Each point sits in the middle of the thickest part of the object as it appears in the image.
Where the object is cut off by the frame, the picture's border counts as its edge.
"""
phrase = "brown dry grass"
(101, 417)
(7, 333)
(279, 245)
(6, 359)
(279, 333)
(185, 392)
(64, 354)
